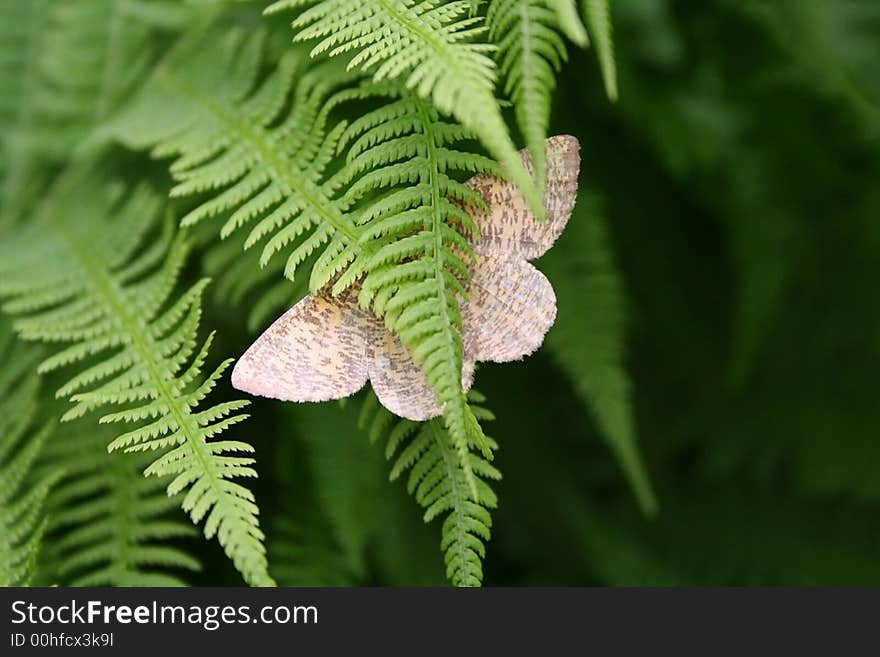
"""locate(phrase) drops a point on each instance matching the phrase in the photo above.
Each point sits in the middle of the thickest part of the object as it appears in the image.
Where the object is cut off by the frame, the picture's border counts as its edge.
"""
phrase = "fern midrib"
(527, 54)
(450, 462)
(256, 138)
(436, 222)
(145, 346)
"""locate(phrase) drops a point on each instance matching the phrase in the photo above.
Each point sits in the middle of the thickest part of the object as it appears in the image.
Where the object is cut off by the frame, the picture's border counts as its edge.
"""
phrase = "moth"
(326, 347)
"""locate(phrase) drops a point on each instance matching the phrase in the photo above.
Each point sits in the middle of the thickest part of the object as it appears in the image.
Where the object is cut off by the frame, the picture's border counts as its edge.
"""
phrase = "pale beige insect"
(327, 348)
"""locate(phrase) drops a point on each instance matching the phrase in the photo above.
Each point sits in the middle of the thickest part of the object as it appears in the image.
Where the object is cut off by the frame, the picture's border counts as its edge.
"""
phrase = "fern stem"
(456, 428)
(107, 289)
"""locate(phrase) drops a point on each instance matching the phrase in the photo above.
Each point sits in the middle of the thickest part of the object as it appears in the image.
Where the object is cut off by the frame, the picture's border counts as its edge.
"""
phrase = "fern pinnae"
(109, 524)
(138, 318)
(429, 47)
(598, 16)
(269, 167)
(414, 279)
(530, 53)
(23, 491)
(569, 20)
(301, 208)
(438, 481)
(22, 519)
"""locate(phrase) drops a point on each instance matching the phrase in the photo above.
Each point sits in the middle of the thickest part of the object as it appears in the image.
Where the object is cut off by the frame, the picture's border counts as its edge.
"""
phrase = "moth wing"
(510, 306)
(399, 382)
(508, 226)
(316, 351)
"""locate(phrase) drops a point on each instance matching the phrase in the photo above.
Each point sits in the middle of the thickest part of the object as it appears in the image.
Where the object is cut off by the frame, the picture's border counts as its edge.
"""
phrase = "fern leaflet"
(22, 495)
(110, 526)
(227, 135)
(364, 216)
(439, 483)
(569, 21)
(530, 52)
(414, 279)
(598, 16)
(89, 287)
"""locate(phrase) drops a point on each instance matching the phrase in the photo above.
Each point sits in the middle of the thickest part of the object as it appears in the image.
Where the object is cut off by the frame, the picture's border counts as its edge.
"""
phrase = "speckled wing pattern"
(315, 351)
(327, 348)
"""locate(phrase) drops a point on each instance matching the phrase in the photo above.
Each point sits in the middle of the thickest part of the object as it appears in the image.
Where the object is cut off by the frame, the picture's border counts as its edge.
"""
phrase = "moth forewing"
(509, 309)
(316, 351)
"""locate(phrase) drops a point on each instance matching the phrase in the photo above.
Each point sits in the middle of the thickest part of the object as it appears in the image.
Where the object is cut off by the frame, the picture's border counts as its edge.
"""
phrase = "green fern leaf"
(109, 525)
(77, 276)
(439, 483)
(227, 135)
(401, 241)
(428, 45)
(418, 233)
(530, 52)
(22, 494)
(598, 15)
(569, 20)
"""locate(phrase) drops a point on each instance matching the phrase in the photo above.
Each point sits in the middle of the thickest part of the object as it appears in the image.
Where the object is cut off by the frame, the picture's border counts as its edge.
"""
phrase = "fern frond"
(404, 155)
(388, 218)
(22, 494)
(598, 16)
(530, 53)
(428, 45)
(109, 525)
(588, 339)
(439, 483)
(569, 20)
(77, 275)
(228, 137)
